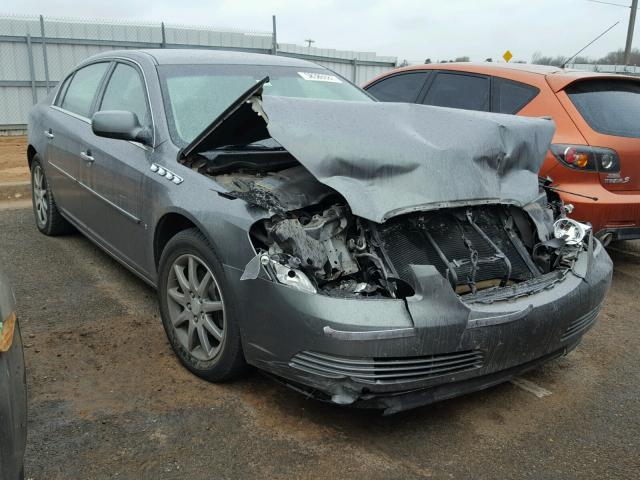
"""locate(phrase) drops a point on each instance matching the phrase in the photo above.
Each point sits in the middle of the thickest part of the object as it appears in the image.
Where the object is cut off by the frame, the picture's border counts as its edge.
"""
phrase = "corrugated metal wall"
(25, 75)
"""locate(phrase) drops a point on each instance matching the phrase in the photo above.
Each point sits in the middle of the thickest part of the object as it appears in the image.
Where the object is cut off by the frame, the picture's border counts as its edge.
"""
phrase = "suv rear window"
(609, 106)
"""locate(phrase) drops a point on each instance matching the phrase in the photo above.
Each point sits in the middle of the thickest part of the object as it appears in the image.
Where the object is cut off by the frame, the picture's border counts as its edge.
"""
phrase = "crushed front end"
(423, 307)
(378, 280)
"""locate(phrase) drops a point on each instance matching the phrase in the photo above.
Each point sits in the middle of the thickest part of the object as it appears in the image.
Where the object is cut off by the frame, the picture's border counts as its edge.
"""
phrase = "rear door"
(118, 168)
(607, 113)
(67, 127)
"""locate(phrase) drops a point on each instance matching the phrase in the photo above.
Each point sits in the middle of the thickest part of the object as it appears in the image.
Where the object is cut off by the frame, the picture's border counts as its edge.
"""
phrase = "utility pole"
(274, 37)
(309, 42)
(632, 24)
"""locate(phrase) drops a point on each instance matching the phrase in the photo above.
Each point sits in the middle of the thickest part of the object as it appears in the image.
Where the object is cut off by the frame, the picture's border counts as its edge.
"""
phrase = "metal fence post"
(164, 36)
(32, 72)
(274, 37)
(44, 53)
(355, 70)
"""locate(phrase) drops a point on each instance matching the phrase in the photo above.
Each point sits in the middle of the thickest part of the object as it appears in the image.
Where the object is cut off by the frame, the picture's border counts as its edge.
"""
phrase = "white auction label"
(319, 77)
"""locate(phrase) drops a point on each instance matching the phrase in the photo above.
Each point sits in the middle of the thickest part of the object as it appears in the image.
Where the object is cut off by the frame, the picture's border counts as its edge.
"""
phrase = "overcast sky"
(408, 29)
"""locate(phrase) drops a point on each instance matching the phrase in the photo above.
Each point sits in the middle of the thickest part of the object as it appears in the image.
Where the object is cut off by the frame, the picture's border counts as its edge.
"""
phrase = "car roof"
(558, 78)
(192, 56)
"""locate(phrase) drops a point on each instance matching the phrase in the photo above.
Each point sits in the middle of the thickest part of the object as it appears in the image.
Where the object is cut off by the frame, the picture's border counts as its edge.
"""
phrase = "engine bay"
(312, 241)
(474, 248)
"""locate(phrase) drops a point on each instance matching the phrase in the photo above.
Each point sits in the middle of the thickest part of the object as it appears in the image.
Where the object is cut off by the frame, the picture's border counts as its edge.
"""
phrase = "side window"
(404, 87)
(509, 96)
(125, 91)
(63, 90)
(83, 87)
(455, 90)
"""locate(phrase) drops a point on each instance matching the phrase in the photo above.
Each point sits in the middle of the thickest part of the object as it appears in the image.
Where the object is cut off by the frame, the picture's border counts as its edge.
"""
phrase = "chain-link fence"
(36, 52)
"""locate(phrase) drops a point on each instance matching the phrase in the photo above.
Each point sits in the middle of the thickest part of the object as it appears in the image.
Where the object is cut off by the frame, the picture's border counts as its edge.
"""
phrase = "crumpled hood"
(386, 159)
(392, 158)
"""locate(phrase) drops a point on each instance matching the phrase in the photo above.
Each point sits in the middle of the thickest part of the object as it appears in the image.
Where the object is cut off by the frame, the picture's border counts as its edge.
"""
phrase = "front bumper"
(395, 355)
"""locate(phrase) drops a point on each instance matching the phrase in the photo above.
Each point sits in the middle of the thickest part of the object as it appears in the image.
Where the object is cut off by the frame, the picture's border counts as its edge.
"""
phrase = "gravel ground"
(109, 400)
(13, 159)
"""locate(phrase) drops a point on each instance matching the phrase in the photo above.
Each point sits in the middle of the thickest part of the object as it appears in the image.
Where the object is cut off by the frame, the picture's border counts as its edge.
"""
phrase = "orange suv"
(596, 149)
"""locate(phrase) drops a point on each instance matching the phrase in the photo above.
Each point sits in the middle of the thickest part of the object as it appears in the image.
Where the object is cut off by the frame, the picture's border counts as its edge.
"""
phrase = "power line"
(610, 3)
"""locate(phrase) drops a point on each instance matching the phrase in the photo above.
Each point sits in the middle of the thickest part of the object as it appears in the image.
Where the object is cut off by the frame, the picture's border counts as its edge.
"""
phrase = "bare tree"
(612, 58)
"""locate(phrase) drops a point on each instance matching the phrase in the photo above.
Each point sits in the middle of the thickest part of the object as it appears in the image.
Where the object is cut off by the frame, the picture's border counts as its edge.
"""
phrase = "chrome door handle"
(49, 133)
(87, 156)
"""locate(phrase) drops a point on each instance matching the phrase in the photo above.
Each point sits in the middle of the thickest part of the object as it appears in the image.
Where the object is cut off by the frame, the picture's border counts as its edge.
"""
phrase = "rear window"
(455, 90)
(404, 87)
(83, 87)
(609, 106)
(511, 97)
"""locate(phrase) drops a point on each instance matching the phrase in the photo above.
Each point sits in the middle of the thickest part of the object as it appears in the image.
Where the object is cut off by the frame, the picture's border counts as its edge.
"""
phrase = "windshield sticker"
(319, 77)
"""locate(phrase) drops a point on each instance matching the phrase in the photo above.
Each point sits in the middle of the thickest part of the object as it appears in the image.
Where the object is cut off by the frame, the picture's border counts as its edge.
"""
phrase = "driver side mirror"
(120, 124)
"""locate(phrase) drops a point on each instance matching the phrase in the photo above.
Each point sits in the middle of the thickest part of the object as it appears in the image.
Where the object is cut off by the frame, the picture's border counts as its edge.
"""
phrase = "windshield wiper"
(251, 146)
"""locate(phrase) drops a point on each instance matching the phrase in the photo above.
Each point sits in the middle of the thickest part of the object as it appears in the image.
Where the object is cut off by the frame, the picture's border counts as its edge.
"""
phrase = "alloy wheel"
(40, 195)
(196, 307)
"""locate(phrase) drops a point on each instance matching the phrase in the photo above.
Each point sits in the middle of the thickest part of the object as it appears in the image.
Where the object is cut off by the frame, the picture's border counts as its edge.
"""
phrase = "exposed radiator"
(409, 240)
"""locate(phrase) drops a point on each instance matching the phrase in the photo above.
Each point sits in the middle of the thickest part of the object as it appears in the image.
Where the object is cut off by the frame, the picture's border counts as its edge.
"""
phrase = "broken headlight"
(288, 276)
(570, 231)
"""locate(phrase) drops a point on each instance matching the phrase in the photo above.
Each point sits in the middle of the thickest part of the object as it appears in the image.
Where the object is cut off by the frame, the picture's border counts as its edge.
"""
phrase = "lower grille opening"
(388, 370)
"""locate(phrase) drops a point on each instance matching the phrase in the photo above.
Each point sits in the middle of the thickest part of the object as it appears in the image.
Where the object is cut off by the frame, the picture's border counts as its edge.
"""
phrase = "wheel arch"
(31, 153)
(168, 226)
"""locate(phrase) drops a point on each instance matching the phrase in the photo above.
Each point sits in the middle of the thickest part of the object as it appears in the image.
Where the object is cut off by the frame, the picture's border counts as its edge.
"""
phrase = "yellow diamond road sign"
(507, 56)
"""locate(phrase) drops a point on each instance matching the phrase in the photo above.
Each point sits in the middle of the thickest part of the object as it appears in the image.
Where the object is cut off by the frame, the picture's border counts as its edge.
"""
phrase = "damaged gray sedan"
(371, 254)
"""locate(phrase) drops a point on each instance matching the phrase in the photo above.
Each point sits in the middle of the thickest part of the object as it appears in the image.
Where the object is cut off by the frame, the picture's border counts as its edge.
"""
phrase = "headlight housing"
(570, 231)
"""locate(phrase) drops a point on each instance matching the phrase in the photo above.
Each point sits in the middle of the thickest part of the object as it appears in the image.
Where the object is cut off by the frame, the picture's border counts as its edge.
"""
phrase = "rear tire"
(197, 307)
(48, 218)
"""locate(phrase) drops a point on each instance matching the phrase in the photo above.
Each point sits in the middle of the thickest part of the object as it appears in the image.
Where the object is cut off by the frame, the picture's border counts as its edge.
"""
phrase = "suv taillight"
(590, 159)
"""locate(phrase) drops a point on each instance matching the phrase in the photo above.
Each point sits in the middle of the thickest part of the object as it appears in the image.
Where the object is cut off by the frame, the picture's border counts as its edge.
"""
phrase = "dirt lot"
(13, 159)
(109, 400)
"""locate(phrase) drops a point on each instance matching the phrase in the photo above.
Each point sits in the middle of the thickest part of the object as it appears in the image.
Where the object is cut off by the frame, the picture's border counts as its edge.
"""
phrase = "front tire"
(48, 218)
(197, 308)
